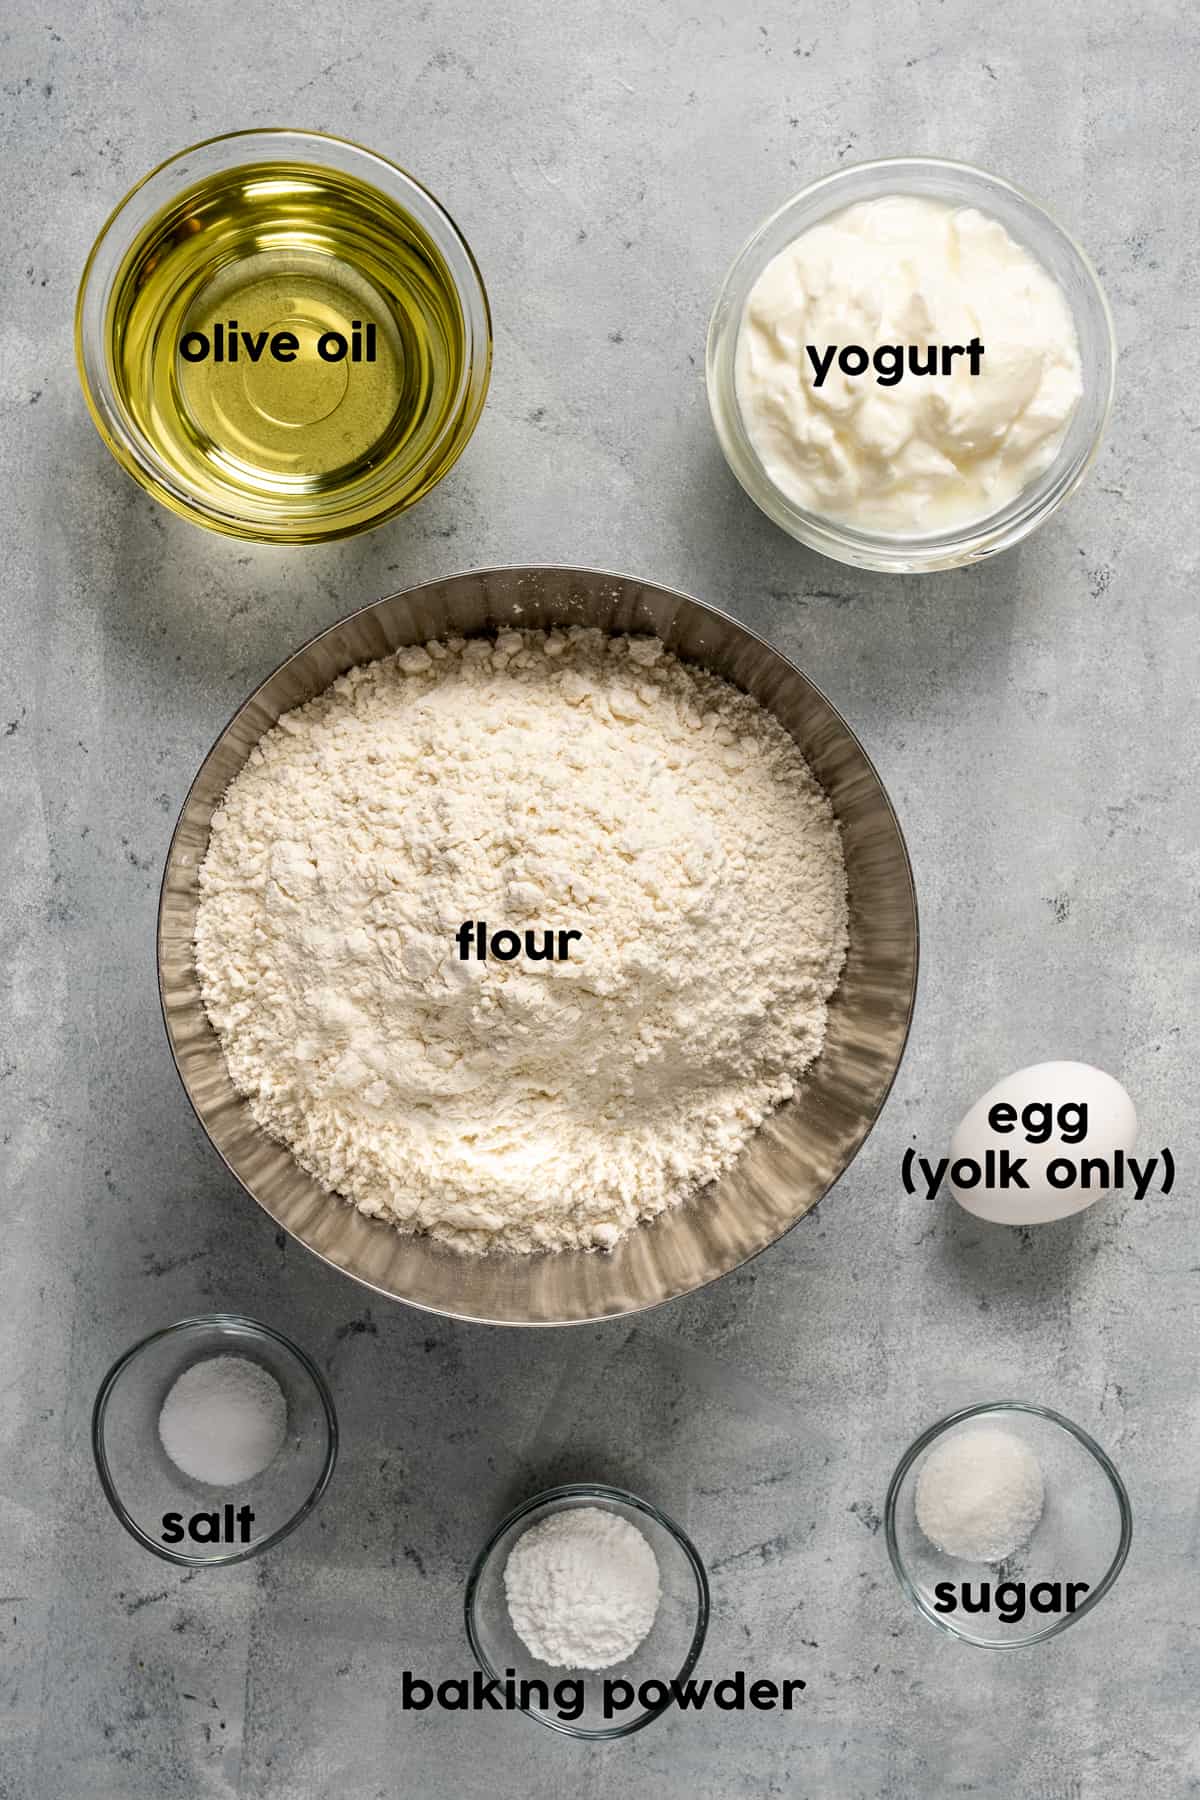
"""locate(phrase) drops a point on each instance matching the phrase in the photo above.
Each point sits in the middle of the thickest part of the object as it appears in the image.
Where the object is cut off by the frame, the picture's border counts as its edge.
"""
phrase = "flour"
(537, 781)
(582, 1588)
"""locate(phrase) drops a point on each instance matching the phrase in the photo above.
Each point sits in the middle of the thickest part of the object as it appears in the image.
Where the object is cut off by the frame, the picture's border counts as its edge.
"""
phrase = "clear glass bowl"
(959, 184)
(1083, 1535)
(142, 1483)
(288, 514)
(670, 1650)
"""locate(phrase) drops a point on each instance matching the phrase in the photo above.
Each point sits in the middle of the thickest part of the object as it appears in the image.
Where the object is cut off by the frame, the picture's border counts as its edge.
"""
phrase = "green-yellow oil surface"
(287, 445)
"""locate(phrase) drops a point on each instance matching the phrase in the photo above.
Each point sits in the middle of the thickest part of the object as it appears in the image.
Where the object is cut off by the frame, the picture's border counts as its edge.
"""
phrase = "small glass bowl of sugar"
(1005, 1523)
(213, 1439)
(614, 1698)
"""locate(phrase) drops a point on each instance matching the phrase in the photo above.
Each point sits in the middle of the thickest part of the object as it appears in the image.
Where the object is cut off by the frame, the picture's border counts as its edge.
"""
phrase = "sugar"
(980, 1494)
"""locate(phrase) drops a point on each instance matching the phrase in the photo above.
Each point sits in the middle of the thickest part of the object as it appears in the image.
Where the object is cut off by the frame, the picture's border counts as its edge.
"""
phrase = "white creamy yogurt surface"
(926, 452)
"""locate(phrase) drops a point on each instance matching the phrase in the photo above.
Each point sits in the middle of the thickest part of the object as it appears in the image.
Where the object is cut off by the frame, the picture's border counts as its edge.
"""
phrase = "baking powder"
(582, 1588)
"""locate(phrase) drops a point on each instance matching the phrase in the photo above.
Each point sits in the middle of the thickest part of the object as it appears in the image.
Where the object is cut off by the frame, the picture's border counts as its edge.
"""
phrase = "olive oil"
(290, 343)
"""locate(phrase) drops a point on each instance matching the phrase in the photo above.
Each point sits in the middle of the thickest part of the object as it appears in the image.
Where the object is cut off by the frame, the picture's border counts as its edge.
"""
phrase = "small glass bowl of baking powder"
(960, 185)
(1071, 1559)
(194, 1522)
(572, 1700)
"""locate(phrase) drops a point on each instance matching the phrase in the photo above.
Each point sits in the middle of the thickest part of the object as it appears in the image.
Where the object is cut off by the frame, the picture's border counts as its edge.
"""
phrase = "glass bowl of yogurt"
(910, 365)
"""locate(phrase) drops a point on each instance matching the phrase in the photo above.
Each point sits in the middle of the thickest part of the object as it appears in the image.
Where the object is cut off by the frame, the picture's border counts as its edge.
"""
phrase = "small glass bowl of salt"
(1005, 1523)
(213, 1439)
(584, 1580)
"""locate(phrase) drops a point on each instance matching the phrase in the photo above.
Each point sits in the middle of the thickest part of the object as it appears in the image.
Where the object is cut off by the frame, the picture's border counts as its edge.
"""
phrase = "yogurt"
(906, 367)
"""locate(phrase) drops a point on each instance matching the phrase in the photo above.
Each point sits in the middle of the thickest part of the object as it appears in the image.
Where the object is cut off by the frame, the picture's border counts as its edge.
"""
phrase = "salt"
(223, 1421)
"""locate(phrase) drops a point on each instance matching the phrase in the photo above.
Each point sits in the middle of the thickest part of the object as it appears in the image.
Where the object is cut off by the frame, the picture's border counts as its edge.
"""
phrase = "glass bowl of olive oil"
(283, 336)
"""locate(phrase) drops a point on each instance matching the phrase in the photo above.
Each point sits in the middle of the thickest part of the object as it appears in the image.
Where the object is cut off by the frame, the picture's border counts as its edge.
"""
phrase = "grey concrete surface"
(1035, 721)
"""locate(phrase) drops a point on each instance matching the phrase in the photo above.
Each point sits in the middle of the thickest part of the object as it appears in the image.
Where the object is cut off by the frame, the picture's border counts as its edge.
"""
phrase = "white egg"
(1068, 1169)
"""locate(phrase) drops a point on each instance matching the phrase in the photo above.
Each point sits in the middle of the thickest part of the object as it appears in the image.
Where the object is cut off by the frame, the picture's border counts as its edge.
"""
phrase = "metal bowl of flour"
(794, 1158)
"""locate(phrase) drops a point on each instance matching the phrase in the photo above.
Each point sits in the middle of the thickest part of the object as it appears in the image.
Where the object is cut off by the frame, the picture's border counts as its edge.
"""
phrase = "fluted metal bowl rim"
(520, 571)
